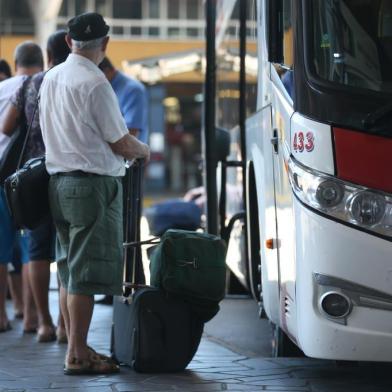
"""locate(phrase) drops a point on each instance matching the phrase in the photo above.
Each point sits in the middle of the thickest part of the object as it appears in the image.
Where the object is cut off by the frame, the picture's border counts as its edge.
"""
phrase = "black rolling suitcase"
(151, 331)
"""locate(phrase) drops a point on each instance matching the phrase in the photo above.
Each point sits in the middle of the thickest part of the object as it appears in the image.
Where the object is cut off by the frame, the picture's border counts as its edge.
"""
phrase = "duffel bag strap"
(151, 241)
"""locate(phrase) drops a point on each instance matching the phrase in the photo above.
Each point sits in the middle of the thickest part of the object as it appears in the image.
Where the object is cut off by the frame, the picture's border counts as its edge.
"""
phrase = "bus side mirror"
(274, 9)
(222, 140)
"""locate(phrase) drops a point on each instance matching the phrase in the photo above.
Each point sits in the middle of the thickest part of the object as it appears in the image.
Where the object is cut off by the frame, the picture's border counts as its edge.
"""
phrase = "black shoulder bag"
(26, 190)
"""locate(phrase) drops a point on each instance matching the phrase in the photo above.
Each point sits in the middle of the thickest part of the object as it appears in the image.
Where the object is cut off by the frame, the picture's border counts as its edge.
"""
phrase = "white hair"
(86, 45)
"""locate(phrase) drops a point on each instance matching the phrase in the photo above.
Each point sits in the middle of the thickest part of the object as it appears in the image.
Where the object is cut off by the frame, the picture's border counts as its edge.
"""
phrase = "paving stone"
(287, 388)
(27, 366)
(135, 387)
(286, 382)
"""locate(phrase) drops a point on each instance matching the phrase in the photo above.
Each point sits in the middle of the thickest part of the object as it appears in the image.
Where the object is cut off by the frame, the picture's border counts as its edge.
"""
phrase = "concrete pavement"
(26, 365)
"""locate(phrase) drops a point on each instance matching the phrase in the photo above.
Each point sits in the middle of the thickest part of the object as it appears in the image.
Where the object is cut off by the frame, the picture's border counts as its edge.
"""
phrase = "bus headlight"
(329, 193)
(367, 209)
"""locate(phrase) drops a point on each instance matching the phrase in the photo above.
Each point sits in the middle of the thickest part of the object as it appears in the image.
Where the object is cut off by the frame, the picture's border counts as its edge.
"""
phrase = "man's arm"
(9, 120)
(130, 148)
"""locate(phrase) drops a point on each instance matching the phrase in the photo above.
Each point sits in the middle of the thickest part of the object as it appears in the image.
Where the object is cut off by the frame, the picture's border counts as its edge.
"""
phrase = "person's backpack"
(191, 265)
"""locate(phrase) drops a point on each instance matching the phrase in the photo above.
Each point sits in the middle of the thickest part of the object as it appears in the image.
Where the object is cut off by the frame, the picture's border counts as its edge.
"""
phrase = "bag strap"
(32, 118)
(27, 136)
(151, 241)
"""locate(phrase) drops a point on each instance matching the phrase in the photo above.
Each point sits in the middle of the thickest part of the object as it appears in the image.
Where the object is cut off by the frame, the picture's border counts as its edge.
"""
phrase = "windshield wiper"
(374, 117)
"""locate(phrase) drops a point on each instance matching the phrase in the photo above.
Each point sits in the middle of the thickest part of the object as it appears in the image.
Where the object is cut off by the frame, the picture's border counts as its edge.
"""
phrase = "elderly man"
(86, 142)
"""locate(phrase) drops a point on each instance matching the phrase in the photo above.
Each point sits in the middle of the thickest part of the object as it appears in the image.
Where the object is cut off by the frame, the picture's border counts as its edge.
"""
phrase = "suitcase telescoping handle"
(132, 214)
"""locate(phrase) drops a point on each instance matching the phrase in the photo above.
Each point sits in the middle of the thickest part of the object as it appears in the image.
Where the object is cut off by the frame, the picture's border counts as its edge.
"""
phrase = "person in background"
(288, 82)
(42, 239)
(132, 98)
(15, 269)
(28, 61)
(5, 70)
(86, 141)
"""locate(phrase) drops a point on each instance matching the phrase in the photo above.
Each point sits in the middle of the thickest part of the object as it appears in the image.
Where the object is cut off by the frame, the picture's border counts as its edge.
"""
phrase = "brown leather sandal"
(102, 356)
(94, 364)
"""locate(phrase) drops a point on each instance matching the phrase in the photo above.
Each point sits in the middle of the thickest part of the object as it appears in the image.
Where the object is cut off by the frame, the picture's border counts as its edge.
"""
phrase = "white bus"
(313, 174)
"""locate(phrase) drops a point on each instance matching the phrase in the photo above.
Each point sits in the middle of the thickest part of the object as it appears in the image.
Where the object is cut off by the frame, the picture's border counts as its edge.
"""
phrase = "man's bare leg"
(30, 320)
(39, 273)
(15, 286)
(3, 295)
(61, 332)
(64, 309)
(80, 310)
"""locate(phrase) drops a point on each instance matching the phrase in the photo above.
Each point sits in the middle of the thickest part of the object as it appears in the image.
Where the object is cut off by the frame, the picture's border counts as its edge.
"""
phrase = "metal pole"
(210, 158)
(242, 114)
(242, 88)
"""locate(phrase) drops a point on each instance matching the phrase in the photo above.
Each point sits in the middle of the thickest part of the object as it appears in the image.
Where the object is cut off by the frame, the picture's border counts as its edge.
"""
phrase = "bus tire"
(281, 344)
(233, 285)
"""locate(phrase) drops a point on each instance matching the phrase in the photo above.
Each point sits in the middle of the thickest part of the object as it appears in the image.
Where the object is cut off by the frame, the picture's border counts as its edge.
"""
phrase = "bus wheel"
(281, 344)
(233, 285)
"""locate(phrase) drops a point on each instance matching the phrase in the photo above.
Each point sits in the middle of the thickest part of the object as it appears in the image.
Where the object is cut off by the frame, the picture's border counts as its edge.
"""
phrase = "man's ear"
(69, 41)
(49, 57)
(105, 44)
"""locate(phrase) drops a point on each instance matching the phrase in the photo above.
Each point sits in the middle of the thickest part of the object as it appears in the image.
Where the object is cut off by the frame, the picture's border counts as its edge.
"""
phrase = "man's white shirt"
(7, 89)
(79, 116)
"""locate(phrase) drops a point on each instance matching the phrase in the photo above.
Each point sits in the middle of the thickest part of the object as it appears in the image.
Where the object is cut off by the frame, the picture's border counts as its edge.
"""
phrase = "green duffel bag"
(192, 265)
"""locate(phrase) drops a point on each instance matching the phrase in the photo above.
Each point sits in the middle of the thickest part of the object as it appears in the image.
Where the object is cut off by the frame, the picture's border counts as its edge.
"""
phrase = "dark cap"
(88, 26)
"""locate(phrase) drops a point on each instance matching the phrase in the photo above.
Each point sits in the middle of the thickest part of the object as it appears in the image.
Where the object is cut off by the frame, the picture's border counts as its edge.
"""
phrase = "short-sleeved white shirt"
(79, 116)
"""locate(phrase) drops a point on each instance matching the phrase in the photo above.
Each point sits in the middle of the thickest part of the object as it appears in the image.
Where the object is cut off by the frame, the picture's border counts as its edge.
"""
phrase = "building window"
(15, 17)
(64, 8)
(173, 31)
(153, 31)
(174, 9)
(136, 31)
(80, 7)
(127, 9)
(192, 9)
(101, 7)
(192, 32)
(153, 11)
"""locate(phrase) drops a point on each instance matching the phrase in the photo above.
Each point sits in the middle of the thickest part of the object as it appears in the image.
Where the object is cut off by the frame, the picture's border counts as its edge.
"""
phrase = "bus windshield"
(352, 43)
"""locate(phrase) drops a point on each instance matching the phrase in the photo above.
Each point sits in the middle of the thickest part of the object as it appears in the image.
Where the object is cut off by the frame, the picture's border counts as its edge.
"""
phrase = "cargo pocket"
(104, 265)
(78, 204)
(104, 272)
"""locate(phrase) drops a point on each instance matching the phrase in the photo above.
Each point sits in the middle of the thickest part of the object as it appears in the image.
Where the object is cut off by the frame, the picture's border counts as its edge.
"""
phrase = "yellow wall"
(118, 50)
(7, 47)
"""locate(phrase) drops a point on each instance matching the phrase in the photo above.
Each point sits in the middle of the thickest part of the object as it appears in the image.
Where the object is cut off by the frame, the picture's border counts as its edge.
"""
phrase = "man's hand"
(130, 148)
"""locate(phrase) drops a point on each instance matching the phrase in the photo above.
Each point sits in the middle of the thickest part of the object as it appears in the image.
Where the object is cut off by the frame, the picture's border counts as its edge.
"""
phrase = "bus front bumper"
(343, 291)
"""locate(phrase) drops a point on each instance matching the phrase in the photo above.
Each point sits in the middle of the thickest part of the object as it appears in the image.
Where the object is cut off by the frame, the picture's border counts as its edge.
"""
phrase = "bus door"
(281, 89)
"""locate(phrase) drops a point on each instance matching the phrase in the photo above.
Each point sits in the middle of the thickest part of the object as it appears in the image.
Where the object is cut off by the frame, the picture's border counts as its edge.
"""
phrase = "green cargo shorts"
(87, 212)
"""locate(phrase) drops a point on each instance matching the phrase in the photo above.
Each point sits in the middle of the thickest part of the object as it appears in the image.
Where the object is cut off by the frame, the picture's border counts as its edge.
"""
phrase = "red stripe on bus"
(363, 159)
